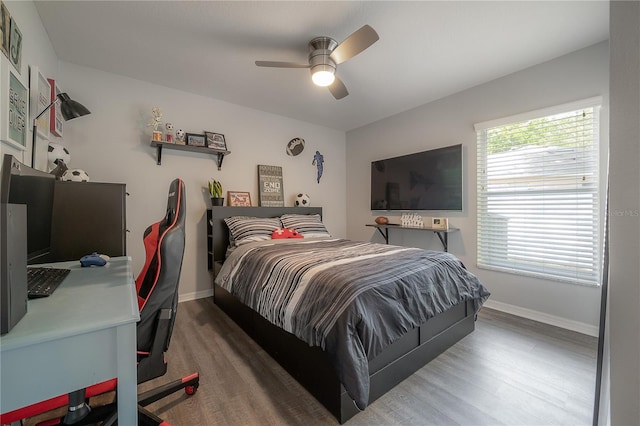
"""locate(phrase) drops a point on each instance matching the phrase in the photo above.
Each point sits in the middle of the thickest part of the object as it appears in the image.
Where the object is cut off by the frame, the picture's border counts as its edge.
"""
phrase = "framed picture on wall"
(56, 122)
(15, 109)
(40, 99)
(15, 46)
(5, 29)
(270, 186)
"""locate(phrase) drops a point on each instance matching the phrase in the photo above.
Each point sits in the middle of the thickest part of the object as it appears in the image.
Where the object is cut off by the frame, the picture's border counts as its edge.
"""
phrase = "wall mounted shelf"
(443, 234)
(201, 149)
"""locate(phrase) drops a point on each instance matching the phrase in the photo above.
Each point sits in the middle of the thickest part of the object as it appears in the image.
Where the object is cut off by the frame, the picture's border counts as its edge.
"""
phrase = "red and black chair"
(157, 289)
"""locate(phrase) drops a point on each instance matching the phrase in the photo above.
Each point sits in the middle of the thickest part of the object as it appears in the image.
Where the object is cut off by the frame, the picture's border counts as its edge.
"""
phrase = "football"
(302, 200)
(57, 152)
(295, 146)
(76, 175)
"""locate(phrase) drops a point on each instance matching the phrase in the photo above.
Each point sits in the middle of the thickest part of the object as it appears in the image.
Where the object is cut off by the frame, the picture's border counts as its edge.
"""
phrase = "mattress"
(351, 298)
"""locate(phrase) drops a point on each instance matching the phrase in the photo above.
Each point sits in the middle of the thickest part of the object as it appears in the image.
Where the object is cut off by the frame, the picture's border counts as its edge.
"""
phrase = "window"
(538, 193)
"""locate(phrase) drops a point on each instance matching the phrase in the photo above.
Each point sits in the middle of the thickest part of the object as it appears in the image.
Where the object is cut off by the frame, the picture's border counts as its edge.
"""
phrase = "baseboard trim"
(577, 326)
(195, 295)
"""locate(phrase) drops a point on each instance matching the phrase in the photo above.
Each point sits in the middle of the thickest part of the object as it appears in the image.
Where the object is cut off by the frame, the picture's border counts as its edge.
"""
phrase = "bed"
(338, 376)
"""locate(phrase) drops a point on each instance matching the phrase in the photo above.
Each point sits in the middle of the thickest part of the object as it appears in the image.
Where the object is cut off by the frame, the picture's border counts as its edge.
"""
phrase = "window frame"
(483, 245)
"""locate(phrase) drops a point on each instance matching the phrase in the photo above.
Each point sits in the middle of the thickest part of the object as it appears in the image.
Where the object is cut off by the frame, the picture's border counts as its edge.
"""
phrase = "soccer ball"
(76, 175)
(302, 200)
(57, 152)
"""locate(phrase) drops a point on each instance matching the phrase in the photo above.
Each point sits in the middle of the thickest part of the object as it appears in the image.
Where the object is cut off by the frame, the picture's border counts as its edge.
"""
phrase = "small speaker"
(13, 265)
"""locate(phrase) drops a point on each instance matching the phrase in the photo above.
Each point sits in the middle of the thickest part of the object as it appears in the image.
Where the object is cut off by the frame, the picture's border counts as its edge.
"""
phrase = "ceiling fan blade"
(354, 44)
(338, 89)
(276, 64)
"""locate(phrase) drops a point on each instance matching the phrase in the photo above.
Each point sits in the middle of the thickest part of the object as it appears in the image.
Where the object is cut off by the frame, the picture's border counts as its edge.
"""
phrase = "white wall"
(450, 121)
(624, 283)
(113, 145)
(36, 51)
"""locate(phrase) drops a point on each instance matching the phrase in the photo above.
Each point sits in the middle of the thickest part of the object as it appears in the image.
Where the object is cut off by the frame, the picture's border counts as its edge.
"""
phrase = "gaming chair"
(157, 290)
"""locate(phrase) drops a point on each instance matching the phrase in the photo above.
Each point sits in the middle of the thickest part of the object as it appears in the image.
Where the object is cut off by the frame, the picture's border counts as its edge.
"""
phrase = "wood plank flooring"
(509, 371)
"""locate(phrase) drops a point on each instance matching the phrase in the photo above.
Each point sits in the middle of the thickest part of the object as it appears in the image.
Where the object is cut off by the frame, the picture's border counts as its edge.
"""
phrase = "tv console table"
(441, 233)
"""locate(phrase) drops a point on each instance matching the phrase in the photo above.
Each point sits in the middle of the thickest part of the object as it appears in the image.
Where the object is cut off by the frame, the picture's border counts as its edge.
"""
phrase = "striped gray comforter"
(351, 298)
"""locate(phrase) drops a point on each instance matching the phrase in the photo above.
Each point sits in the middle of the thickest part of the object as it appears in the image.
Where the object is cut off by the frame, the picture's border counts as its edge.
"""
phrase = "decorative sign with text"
(18, 111)
(270, 186)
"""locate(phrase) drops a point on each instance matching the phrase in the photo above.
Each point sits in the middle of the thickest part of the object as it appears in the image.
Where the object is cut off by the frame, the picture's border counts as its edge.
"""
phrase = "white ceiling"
(427, 50)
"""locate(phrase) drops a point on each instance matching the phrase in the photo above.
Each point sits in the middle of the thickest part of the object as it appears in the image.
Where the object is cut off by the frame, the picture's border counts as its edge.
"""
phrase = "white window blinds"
(538, 193)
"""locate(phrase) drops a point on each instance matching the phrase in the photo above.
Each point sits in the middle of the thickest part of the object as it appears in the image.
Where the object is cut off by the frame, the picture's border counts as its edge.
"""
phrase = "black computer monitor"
(20, 184)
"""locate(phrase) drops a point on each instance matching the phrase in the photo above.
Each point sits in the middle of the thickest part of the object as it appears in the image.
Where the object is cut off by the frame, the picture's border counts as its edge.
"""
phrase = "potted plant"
(215, 190)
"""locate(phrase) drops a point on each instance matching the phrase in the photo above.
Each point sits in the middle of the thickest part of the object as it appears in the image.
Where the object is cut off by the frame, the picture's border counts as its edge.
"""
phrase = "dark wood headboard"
(220, 232)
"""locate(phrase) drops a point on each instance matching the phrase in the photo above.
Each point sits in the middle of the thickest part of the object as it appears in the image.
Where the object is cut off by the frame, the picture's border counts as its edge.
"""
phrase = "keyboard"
(42, 281)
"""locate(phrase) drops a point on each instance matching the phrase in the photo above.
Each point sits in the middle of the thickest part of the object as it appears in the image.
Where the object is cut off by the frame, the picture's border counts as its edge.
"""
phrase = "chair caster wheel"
(190, 390)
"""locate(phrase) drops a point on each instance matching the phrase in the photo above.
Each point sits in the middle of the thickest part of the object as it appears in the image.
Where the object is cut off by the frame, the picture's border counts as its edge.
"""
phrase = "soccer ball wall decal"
(76, 175)
(302, 200)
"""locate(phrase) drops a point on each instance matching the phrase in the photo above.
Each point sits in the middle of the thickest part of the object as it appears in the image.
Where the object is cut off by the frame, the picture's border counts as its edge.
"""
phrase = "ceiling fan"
(324, 56)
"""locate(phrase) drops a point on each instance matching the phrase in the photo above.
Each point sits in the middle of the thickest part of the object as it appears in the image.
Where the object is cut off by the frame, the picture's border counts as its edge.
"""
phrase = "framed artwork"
(5, 29)
(15, 46)
(239, 198)
(270, 186)
(40, 99)
(441, 223)
(4, 100)
(195, 139)
(216, 141)
(56, 122)
(16, 111)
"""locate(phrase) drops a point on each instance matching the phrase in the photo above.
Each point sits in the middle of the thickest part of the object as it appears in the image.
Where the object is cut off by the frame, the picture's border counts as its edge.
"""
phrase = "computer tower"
(13, 265)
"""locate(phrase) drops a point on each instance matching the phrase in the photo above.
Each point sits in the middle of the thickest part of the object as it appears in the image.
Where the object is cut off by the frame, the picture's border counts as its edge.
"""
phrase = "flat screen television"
(428, 180)
(20, 184)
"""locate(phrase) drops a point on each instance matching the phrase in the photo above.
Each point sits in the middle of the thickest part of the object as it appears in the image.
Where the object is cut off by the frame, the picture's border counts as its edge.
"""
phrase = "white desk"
(83, 334)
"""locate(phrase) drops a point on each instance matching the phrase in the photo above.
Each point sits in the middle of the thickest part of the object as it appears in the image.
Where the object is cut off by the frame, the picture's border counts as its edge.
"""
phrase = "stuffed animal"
(284, 233)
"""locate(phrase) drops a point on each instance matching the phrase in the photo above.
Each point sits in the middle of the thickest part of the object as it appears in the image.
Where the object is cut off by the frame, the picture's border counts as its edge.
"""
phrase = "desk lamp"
(70, 109)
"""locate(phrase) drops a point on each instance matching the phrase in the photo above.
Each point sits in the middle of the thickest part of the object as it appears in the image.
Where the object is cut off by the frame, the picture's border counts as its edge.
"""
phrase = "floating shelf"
(201, 149)
(443, 234)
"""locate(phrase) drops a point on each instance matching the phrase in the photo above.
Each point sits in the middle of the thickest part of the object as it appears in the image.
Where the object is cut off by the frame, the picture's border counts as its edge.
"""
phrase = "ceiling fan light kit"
(323, 77)
(325, 54)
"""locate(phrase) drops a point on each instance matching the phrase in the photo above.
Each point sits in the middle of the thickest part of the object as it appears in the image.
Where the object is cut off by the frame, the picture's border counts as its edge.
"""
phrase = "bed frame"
(309, 365)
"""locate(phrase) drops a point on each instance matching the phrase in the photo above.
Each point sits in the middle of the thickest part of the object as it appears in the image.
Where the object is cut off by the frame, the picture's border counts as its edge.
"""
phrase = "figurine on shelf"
(180, 137)
(156, 120)
(411, 220)
(169, 133)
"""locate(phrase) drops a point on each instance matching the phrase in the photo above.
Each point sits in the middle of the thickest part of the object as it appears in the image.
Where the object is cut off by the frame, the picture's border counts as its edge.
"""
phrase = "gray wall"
(624, 287)
(449, 121)
(113, 145)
